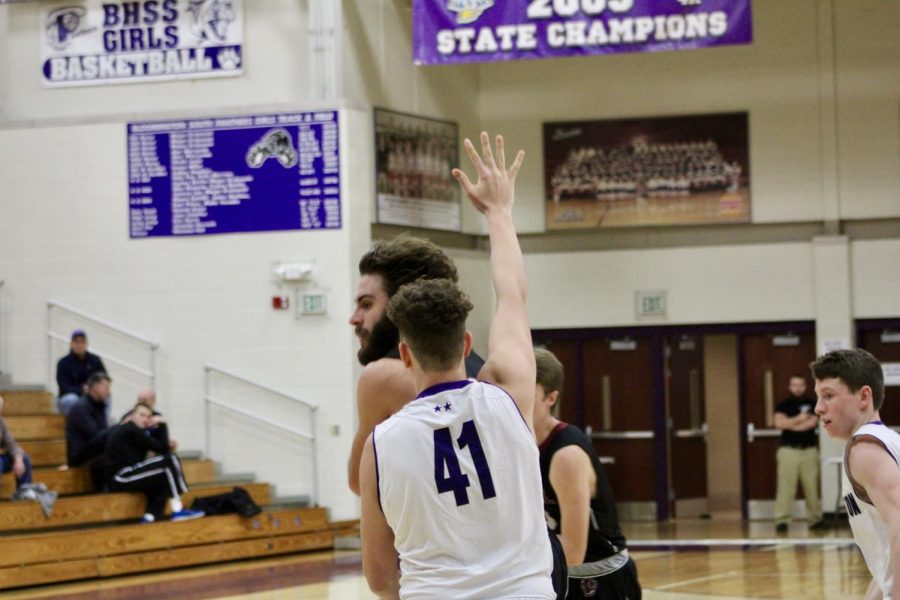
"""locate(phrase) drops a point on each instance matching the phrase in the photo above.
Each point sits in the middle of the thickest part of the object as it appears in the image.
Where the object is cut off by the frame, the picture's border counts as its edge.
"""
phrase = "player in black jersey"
(578, 500)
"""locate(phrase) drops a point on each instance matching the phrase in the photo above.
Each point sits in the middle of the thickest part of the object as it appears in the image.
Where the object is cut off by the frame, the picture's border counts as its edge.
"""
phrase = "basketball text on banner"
(93, 42)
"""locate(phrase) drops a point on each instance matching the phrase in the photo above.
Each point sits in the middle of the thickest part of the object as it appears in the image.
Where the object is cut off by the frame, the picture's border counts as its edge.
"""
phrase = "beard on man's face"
(383, 338)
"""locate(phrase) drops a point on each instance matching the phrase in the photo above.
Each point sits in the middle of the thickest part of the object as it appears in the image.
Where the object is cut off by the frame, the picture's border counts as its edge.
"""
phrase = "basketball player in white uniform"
(451, 484)
(850, 390)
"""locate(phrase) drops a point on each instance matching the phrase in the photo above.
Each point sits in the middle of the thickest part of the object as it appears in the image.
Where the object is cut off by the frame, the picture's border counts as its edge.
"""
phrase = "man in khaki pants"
(798, 456)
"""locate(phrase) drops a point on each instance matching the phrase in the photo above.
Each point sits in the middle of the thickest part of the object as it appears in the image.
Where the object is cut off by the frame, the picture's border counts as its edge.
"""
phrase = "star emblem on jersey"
(437, 408)
(447, 407)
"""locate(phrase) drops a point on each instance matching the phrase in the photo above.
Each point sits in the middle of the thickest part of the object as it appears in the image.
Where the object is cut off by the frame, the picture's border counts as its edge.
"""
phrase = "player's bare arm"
(873, 468)
(384, 387)
(573, 480)
(379, 556)
(510, 362)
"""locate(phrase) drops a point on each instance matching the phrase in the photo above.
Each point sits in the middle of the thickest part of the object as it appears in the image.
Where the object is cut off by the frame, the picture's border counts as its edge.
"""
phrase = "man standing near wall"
(385, 385)
(798, 456)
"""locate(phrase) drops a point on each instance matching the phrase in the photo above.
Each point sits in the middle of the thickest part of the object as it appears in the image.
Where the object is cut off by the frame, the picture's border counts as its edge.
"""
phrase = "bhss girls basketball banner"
(93, 42)
(638, 172)
(458, 31)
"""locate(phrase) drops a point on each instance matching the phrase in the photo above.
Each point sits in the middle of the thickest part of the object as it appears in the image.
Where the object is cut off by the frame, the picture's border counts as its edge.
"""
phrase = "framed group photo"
(685, 170)
(414, 157)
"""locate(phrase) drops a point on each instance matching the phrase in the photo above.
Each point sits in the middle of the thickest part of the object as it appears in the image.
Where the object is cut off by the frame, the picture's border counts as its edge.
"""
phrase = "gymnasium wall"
(796, 81)
(63, 235)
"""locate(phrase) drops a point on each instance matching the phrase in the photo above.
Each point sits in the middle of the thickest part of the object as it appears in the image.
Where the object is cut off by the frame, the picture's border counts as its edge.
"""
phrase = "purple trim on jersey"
(377, 474)
(508, 395)
(444, 387)
(879, 422)
(859, 436)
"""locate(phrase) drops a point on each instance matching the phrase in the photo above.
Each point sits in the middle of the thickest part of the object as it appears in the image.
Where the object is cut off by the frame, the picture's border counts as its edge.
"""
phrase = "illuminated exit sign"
(650, 304)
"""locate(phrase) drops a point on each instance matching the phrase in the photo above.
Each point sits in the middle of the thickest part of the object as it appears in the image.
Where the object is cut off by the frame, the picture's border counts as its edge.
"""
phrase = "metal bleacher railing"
(212, 400)
(116, 330)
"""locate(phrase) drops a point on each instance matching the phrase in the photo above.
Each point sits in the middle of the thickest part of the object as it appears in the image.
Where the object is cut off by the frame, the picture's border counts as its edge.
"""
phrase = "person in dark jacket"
(73, 371)
(157, 427)
(87, 429)
(129, 470)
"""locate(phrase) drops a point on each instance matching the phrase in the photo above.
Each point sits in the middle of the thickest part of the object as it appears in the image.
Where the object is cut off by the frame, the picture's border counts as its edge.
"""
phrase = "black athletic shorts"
(560, 570)
(620, 585)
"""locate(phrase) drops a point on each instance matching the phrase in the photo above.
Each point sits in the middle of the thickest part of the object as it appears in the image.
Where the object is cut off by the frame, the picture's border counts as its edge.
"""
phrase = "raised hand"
(495, 187)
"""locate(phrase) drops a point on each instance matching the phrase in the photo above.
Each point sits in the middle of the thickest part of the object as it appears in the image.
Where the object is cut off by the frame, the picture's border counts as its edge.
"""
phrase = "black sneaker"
(819, 525)
(781, 527)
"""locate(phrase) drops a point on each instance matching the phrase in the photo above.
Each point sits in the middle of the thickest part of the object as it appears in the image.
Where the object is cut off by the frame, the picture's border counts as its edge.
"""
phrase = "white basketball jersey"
(459, 482)
(869, 529)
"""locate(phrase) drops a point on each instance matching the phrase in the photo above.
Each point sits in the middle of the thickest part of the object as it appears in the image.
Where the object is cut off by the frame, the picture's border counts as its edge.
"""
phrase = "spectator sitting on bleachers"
(12, 457)
(157, 427)
(87, 429)
(73, 371)
(128, 469)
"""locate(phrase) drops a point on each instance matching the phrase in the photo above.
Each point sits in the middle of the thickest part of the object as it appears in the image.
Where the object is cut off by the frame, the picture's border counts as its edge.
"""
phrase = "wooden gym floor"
(689, 560)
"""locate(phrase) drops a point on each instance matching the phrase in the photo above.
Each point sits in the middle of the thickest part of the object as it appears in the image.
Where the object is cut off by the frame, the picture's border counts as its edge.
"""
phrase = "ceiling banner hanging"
(461, 31)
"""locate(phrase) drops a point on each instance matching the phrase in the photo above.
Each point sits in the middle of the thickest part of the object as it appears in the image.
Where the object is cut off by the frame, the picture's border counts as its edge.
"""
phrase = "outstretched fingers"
(501, 153)
(469, 147)
(463, 180)
(517, 164)
(486, 151)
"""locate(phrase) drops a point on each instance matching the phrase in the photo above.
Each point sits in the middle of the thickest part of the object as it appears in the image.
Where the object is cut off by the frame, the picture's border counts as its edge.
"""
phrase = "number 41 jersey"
(459, 482)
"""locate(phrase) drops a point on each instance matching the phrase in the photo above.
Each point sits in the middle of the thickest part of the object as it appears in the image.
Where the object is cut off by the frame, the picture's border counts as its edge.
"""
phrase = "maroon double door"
(640, 393)
(640, 397)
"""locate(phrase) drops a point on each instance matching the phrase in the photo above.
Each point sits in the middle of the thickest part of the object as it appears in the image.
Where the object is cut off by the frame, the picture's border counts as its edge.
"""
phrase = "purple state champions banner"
(459, 31)
(234, 174)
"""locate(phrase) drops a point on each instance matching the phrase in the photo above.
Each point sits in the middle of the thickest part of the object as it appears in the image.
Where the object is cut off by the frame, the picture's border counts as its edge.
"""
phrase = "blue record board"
(234, 174)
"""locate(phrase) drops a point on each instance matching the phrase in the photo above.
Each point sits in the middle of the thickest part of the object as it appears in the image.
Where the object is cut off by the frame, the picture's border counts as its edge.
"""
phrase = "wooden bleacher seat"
(35, 558)
(104, 508)
(45, 453)
(36, 427)
(78, 481)
(85, 536)
(18, 403)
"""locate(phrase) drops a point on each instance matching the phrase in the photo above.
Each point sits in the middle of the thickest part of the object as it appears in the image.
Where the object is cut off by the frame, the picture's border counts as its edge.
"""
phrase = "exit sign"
(312, 303)
(651, 304)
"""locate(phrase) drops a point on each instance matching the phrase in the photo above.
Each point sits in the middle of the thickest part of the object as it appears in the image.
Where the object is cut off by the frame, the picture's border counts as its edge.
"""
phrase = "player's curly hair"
(405, 259)
(431, 317)
(855, 368)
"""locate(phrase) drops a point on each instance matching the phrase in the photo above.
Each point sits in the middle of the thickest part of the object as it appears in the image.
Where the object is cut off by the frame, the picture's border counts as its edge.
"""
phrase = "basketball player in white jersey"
(850, 390)
(451, 484)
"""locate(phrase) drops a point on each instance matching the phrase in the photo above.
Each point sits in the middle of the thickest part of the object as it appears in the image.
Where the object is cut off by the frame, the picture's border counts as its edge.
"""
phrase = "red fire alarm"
(281, 302)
